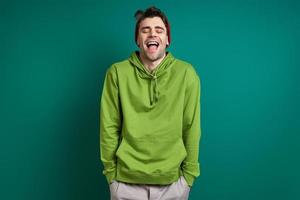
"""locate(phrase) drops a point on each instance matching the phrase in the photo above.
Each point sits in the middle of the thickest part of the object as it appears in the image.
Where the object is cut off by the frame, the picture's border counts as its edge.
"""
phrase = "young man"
(150, 118)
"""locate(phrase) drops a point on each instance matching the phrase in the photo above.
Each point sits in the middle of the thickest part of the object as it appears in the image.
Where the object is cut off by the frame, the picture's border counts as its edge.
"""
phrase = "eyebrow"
(156, 27)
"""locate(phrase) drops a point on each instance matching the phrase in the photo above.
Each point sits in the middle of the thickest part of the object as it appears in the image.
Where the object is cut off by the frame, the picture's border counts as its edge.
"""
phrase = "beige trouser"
(178, 190)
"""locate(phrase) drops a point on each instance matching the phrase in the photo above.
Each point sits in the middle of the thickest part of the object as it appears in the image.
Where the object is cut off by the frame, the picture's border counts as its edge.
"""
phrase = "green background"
(53, 56)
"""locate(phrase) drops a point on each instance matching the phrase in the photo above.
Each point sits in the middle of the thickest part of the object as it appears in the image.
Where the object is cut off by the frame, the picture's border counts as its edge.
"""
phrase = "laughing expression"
(152, 39)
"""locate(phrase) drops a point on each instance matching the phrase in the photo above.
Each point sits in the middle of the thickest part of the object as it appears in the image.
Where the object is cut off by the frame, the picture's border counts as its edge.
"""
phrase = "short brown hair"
(152, 11)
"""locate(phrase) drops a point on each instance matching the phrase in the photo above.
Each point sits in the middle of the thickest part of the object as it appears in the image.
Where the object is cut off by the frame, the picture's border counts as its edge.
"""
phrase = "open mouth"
(152, 45)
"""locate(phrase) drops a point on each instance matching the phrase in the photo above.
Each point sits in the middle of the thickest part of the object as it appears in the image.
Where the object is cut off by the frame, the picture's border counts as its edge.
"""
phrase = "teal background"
(53, 56)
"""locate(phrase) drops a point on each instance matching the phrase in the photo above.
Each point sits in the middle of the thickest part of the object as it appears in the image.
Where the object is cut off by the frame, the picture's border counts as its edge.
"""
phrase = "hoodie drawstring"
(153, 89)
(143, 73)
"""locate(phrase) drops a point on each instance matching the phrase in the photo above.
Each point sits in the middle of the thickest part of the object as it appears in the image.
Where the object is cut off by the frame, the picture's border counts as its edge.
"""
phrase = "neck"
(150, 64)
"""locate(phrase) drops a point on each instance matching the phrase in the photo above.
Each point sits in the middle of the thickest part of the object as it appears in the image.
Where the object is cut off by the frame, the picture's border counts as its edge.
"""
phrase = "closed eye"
(159, 31)
(145, 30)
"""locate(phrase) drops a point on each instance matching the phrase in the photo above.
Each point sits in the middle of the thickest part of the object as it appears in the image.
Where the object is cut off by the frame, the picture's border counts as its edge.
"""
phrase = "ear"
(167, 41)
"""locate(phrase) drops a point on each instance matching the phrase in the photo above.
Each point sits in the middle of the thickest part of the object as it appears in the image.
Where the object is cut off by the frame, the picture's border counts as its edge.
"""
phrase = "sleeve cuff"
(110, 176)
(190, 171)
(189, 178)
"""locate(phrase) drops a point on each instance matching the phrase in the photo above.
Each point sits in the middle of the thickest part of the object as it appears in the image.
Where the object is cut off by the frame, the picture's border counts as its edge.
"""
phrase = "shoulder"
(117, 67)
(121, 65)
(187, 68)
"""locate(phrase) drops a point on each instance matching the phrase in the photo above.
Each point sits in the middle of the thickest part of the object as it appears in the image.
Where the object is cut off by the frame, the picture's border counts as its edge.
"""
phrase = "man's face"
(152, 38)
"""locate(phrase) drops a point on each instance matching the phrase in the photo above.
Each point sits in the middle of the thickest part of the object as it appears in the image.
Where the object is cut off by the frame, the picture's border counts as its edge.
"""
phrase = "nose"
(152, 32)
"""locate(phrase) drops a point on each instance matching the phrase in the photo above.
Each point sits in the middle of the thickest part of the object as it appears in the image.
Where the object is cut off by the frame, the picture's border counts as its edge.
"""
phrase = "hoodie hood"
(154, 76)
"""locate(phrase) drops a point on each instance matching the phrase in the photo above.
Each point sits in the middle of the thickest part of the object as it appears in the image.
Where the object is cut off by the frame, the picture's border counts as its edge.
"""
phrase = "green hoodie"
(150, 122)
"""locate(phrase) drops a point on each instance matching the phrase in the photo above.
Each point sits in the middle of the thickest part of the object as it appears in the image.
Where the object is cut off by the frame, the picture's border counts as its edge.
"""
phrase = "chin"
(153, 57)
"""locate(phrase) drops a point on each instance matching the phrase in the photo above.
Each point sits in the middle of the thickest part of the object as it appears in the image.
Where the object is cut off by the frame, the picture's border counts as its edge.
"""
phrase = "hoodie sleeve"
(110, 123)
(191, 128)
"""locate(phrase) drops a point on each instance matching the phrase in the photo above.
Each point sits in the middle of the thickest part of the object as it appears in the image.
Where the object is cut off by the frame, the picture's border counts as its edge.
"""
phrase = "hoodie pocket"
(151, 155)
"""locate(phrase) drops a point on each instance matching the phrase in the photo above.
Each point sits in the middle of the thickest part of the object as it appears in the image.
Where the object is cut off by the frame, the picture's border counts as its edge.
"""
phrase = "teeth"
(152, 43)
